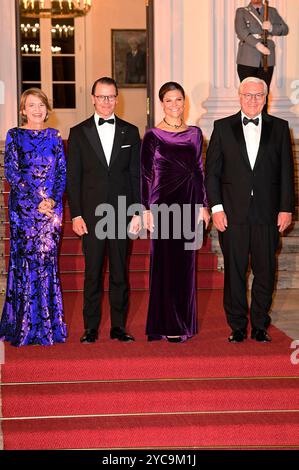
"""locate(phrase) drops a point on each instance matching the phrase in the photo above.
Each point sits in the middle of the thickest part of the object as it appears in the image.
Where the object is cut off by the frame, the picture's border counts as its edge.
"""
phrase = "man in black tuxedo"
(250, 187)
(102, 165)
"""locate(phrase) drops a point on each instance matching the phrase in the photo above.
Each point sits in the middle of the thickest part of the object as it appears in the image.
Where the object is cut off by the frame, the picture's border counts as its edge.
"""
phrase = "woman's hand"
(135, 225)
(46, 207)
(148, 220)
(204, 214)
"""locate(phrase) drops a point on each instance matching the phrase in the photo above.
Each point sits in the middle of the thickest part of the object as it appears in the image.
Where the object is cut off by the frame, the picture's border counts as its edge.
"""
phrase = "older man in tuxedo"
(249, 181)
(102, 165)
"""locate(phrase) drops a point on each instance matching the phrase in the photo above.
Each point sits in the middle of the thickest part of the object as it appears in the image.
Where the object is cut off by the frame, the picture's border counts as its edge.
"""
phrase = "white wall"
(293, 49)
(104, 16)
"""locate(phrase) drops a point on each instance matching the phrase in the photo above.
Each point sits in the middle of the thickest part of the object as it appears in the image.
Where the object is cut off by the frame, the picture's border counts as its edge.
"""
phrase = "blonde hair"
(39, 94)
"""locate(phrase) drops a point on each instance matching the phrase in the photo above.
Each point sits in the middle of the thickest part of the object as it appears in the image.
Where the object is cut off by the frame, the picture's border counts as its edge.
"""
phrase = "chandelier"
(54, 8)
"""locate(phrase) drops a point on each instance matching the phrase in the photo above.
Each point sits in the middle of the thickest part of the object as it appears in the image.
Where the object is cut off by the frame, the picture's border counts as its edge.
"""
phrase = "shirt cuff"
(217, 208)
(77, 217)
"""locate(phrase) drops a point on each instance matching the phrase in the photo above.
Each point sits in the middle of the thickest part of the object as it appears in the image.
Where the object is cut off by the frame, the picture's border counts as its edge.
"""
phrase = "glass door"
(52, 58)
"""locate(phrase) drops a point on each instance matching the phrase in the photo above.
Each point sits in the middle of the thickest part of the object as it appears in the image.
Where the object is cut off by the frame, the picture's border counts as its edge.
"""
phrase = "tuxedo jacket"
(90, 181)
(248, 26)
(230, 179)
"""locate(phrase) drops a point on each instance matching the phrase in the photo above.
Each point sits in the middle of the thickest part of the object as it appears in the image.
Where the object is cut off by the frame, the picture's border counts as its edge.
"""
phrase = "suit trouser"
(245, 71)
(240, 245)
(94, 252)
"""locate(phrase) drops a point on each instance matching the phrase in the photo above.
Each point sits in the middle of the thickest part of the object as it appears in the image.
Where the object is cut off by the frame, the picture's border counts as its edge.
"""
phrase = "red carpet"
(207, 355)
(205, 393)
(149, 397)
(229, 398)
(203, 431)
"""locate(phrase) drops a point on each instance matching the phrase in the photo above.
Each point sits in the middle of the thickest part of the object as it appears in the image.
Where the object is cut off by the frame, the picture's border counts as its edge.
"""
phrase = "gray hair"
(253, 80)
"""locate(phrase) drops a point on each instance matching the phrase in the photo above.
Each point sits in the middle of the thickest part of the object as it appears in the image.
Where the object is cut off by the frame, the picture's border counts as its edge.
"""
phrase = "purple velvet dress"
(35, 169)
(172, 173)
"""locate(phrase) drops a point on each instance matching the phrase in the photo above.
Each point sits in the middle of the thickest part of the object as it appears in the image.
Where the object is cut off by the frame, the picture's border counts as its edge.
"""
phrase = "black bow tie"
(246, 121)
(102, 121)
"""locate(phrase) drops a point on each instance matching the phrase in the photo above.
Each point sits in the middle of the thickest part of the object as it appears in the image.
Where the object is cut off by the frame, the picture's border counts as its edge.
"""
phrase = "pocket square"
(125, 146)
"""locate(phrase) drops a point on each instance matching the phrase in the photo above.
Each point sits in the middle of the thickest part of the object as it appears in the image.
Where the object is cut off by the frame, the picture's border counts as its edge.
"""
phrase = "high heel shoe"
(176, 339)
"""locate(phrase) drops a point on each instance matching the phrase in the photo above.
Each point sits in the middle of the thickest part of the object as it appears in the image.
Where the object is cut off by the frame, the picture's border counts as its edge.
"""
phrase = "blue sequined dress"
(35, 169)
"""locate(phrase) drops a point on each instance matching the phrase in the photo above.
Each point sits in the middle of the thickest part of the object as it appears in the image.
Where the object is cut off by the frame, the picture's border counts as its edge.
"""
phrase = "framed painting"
(129, 57)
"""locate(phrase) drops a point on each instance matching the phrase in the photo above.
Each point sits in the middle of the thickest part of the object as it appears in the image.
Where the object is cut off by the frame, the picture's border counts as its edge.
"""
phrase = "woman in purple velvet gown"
(172, 173)
(35, 169)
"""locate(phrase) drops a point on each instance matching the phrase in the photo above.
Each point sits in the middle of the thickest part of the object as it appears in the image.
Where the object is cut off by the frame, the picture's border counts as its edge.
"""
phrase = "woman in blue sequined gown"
(35, 169)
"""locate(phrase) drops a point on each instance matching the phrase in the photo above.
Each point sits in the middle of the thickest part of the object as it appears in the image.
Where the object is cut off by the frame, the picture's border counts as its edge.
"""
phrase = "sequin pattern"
(35, 169)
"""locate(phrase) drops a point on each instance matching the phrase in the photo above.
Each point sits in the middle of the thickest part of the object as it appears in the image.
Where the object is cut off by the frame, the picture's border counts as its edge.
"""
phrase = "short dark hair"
(105, 81)
(170, 86)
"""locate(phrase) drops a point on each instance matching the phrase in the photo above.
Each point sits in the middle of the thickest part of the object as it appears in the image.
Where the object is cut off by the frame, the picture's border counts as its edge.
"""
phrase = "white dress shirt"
(252, 135)
(106, 134)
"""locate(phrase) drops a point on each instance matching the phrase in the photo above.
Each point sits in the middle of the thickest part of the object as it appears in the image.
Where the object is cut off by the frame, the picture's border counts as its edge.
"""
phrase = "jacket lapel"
(93, 137)
(237, 129)
(120, 131)
(267, 124)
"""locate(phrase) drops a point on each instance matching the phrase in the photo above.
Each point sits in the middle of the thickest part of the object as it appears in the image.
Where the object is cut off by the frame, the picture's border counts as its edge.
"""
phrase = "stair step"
(293, 231)
(148, 396)
(289, 244)
(229, 430)
(75, 262)
(72, 281)
(288, 261)
(73, 245)
(287, 280)
(207, 279)
(285, 262)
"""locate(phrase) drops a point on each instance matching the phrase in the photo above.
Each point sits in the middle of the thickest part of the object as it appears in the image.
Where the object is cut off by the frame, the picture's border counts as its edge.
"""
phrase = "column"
(168, 34)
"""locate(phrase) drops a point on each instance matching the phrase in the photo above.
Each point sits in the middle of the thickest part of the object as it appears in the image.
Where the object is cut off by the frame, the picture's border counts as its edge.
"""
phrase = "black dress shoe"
(237, 336)
(121, 335)
(260, 335)
(89, 336)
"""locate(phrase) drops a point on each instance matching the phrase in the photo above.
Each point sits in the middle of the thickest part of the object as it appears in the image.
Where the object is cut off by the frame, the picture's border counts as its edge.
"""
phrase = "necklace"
(176, 126)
